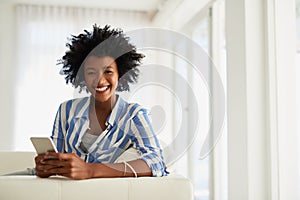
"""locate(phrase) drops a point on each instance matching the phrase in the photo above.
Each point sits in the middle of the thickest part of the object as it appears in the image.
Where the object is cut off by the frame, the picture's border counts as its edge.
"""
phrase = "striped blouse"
(128, 125)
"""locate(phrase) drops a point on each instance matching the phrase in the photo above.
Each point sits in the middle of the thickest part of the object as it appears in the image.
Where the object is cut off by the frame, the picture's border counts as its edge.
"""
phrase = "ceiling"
(161, 12)
(149, 6)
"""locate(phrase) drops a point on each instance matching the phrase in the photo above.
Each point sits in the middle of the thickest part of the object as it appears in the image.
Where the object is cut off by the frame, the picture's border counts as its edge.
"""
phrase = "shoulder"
(75, 101)
(73, 104)
(132, 109)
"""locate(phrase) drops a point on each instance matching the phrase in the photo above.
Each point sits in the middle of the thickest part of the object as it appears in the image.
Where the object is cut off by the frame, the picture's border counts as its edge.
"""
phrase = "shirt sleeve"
(145, 141)
(58, 130)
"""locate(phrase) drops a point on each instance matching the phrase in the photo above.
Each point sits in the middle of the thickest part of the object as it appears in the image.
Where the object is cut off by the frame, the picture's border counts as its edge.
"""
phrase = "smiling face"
(101, 77)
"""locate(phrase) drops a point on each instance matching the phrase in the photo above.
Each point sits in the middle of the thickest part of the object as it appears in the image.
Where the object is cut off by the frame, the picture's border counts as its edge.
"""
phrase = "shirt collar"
(116, 111)
(114, 115)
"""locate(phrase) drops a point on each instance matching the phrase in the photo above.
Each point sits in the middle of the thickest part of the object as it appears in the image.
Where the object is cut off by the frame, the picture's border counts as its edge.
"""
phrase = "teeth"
(101, 89)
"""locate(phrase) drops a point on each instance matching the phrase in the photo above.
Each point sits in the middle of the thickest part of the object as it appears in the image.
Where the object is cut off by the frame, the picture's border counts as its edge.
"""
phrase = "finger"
(43, 166)
(71, 163)
(41, 172)
(44, 175)
(38, 158)
(52, 162)
(63, 156)
(51, 155)
(58, 163)
(50, 168)
(58, 170)
(39, 167)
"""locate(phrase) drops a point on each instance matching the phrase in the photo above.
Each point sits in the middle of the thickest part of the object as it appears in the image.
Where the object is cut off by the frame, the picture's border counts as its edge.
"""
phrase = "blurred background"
(253, 45)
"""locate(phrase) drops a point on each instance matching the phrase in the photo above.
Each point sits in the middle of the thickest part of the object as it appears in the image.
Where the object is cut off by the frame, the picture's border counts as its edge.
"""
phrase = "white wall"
(7, 72)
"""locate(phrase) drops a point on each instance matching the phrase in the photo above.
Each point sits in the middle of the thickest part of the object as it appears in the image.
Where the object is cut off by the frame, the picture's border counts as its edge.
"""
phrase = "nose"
(101, 79)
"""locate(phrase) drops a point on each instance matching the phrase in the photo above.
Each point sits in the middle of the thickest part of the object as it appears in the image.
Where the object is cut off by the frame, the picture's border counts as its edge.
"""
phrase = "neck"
(103, 107)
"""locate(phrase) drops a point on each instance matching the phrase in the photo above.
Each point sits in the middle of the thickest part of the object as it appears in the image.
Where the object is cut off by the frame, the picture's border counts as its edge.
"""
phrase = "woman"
(91, 133)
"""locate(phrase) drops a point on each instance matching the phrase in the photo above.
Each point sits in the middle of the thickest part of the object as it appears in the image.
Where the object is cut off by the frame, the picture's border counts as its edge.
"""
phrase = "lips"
(101, 89)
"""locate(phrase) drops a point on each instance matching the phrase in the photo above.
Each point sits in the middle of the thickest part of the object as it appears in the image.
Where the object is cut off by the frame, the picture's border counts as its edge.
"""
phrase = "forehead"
(95, 62)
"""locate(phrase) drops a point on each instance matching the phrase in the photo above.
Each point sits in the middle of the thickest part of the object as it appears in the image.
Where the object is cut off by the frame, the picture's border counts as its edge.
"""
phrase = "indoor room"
(219, 80)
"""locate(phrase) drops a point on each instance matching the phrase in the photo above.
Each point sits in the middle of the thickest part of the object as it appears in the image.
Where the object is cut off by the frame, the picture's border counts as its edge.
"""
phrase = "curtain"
(41, 35)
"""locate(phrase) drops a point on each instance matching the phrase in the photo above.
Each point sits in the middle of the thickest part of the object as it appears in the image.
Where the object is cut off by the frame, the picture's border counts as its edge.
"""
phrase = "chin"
(102, 99)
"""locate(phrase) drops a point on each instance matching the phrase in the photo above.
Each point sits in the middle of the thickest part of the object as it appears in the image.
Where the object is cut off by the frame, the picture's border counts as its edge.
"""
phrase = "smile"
(102, 89)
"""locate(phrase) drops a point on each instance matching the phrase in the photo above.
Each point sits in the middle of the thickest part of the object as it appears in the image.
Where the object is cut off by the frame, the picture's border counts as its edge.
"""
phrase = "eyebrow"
(92, 67)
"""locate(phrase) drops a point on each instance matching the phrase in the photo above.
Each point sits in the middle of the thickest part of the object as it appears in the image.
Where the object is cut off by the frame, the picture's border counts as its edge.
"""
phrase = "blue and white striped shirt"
(128, 125)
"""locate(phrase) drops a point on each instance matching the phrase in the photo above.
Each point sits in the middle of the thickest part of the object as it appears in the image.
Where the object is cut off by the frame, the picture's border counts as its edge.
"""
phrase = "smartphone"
(43, 144)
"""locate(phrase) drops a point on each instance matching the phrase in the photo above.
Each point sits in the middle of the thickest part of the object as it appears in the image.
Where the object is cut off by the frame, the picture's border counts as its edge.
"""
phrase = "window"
(208, 174)
(298, 70)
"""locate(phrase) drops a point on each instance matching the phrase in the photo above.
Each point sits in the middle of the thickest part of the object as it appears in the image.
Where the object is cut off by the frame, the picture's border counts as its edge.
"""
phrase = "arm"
(121, 169)
(145, 141)
(70, 165)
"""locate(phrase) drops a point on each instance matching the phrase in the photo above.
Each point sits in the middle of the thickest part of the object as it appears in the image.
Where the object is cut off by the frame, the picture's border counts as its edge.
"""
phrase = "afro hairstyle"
(101, 42)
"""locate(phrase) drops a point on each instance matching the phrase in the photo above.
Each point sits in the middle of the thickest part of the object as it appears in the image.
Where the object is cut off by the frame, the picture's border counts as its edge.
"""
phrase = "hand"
(40, 166)
(66, 164)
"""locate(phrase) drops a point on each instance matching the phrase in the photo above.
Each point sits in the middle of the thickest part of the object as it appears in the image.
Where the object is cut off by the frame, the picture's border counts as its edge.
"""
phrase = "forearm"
(110, 170)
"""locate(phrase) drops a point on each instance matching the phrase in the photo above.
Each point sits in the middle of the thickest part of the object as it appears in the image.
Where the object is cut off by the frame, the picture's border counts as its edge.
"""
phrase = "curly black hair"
(101, 42)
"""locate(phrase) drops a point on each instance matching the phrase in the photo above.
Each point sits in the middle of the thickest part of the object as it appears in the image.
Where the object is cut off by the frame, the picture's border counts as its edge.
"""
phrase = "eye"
(91, 73)
(108, 71)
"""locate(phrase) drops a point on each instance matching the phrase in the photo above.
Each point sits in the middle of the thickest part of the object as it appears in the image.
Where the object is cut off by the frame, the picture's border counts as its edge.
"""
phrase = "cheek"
(88, 81)
(117, 80)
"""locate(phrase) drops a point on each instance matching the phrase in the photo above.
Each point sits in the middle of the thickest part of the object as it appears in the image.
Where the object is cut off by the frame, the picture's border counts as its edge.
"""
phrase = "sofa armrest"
(57, 188)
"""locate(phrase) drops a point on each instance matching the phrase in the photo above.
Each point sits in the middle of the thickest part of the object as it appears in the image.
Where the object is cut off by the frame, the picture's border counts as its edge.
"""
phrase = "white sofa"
(15, 187)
